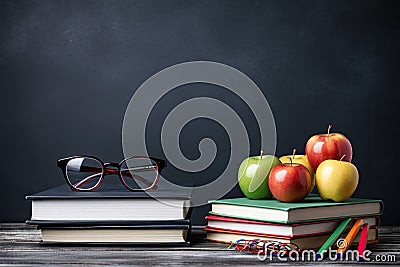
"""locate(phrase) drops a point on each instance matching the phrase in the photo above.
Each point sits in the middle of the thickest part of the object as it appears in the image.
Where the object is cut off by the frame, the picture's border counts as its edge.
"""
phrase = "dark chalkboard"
(69, 68)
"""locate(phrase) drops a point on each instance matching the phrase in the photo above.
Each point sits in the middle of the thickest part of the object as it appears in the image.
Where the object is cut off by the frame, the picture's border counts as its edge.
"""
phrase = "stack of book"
(111, 216)
(307, 224)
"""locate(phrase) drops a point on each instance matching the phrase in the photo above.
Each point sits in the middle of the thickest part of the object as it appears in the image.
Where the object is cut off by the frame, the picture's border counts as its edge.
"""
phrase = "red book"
(276, 229)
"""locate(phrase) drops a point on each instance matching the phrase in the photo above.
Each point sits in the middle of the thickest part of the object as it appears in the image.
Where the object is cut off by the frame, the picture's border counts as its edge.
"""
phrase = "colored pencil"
(363, 241)
(335, 235)
(348, 240)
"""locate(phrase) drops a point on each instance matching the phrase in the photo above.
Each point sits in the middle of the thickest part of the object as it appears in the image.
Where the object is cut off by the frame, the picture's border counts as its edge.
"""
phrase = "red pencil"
(363, 241)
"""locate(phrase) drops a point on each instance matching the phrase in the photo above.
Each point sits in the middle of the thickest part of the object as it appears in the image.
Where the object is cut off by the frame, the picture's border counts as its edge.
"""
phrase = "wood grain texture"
(19, 245)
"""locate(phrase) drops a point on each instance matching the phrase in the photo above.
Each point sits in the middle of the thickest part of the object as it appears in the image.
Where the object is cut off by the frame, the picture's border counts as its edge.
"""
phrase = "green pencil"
(332, 238)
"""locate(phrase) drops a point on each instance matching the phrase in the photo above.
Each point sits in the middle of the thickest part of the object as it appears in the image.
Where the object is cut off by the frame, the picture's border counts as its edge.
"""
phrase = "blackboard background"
(69, 68)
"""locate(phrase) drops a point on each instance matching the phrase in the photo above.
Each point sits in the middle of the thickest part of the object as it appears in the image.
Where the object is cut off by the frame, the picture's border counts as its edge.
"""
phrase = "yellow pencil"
(350, 237)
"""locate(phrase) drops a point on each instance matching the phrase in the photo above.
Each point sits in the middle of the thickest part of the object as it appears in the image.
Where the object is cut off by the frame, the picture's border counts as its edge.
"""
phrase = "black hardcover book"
(148, 233)
(110, 224)
(109, 204)
(111, 191)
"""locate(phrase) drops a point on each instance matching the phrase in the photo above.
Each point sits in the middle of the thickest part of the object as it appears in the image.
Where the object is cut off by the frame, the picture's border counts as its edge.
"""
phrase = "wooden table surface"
(19, 245)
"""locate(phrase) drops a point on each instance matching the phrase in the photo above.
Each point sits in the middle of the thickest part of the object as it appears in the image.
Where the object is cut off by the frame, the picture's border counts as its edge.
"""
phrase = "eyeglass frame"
(62, 164)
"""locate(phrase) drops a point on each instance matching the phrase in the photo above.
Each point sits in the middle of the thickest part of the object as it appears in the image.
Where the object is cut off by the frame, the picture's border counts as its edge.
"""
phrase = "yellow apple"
(336, 180)
(300, 159)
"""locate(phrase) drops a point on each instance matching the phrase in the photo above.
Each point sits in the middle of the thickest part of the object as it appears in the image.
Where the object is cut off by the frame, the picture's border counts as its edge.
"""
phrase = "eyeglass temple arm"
(148, 183)
(160, 162)
(87, 179)
(111, 171)
(134, 176)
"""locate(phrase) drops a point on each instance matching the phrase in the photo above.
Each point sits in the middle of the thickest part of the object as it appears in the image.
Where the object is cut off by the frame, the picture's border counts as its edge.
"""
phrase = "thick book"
(121, 224)
(313, 208)
(62, 204)
(303, 242)
(129, 233)
(275, 229)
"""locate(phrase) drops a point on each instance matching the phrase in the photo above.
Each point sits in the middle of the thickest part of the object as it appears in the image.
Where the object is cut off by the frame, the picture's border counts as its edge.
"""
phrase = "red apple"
(289, 182)
(321, 147)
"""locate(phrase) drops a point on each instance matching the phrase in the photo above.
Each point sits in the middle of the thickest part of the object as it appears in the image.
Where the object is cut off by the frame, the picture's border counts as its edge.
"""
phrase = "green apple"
(336, 180)
(253, 176)
(300, 159)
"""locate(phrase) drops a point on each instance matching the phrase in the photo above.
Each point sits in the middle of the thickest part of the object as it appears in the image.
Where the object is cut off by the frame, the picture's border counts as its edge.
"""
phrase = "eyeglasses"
(85, 173)
(259, 246)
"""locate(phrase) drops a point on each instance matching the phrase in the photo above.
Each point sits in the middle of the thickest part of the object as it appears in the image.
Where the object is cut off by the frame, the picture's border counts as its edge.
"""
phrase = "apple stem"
(291, 162)
(329, 129)
(294, 152)
(342, 157)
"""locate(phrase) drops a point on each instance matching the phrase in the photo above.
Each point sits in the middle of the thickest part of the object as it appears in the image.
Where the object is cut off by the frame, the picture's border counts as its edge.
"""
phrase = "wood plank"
(16, 226)
(19, 245)
(187, 258)
(389, 229)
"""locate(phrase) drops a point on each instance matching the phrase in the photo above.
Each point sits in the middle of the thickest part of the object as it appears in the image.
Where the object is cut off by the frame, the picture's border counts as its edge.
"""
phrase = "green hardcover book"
(313, 208)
